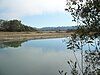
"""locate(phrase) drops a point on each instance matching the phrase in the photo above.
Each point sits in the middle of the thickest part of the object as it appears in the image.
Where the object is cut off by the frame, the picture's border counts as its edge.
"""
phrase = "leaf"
(92, 45)
(65, 73)
(68, 62)
(69, 47)
(66, 9)
(74, 3)
(60, 72)
(75, 64)
(77, 46)
(90, 42)
(71, 61)
(98, 43)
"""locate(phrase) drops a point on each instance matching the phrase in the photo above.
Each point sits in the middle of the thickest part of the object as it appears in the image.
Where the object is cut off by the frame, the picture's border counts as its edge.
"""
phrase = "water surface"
(33, 57)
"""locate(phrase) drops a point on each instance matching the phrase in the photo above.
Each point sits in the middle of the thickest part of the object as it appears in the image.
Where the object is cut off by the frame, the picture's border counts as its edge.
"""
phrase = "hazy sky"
(36, 13)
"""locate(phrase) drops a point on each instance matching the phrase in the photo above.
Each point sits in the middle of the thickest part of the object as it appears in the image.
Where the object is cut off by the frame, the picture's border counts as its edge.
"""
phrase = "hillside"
(68, 28)
(14, 26)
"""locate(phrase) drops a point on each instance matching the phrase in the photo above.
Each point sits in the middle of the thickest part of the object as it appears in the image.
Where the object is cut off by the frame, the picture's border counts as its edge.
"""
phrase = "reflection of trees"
(11, 44)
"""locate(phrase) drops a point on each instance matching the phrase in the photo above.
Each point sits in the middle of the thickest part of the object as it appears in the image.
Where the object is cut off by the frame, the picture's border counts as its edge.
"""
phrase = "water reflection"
(14, 44)
(34, 57)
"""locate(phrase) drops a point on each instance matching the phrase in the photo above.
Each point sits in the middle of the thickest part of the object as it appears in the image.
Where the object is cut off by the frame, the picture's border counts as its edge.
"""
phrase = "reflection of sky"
(46, 44)
(36, 57)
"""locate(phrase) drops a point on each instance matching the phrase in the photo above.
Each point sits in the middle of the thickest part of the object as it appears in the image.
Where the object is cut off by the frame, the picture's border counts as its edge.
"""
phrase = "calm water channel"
(34, 57)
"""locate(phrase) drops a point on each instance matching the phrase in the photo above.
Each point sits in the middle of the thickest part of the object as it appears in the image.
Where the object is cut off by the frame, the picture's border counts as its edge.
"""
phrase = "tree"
(87, 15)
(14, 26)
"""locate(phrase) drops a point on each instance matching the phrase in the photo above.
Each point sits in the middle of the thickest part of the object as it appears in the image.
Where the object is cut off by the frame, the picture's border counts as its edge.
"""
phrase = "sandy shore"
(7, 36)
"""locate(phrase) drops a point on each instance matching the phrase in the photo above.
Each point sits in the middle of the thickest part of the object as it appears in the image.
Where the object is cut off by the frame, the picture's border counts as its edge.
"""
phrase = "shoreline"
(14, 36)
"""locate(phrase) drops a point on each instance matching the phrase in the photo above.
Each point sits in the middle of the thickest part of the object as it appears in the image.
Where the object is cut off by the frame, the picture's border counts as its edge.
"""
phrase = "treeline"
(14, 26)
(67, 28)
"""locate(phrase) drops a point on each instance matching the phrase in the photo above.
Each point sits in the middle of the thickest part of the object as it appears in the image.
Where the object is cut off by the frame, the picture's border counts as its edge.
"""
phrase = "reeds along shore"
(7, 36)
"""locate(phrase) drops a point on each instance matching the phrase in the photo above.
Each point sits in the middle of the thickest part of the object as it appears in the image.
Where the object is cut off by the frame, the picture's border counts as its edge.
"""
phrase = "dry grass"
(31, 35)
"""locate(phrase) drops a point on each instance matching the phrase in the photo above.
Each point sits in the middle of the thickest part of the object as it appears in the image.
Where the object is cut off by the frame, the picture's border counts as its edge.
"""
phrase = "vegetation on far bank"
(14, 26)
(17, 26)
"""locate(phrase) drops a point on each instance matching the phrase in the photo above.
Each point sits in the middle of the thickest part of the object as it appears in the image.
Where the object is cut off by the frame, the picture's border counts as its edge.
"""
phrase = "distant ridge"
(67, 28)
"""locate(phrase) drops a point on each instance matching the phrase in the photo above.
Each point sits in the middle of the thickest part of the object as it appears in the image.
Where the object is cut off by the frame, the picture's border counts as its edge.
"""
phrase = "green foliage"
(87, 16)
(14, 26)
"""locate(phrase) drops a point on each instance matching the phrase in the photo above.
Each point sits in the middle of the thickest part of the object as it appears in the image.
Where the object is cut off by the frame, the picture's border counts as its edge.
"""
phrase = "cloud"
(19, 8)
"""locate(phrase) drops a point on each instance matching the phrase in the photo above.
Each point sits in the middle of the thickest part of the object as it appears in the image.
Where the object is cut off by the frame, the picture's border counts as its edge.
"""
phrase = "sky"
(36, 13)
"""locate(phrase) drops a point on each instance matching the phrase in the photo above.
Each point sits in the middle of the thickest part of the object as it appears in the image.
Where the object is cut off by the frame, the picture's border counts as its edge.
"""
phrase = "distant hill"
(68, 28)
(17, 26)
(14, 26)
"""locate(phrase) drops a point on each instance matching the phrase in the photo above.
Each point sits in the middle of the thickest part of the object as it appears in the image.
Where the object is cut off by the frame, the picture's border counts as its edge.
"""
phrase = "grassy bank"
(6, 36)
